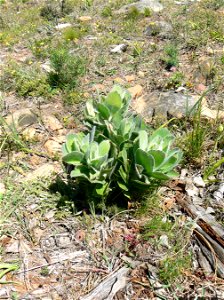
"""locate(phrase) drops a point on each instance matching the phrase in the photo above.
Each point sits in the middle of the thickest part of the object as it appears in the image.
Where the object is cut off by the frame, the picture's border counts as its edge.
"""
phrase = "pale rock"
(141, 74)
(22, 117)
(52, 123)
(153, 5)
(198, 181)
(53, 147)
(98, 87)
(4, 292)
(29, 134)
(206, 66)
(85, 18)
(136, 91)
(63, 26)
(129, 78)
(164, 241)
(49, 215)
(178, 105)
(63, 240)
(197, 200)
(119, 48)
(191, 189)
(13, 247)
(211, 113)
(47, 67)
(159, 28)
(210, 210)
(183, 174)
(200, 87)
(43, 171)
(119, 80)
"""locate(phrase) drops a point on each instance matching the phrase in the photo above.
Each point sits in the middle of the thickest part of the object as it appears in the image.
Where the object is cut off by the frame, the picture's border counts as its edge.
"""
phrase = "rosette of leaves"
(119, 154)
(112, 117)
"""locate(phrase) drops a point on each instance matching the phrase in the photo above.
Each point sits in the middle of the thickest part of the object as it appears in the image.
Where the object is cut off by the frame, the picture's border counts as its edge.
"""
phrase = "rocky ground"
(169, 55)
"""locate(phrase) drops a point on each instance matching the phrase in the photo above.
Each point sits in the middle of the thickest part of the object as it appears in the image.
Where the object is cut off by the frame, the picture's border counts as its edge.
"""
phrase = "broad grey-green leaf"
(64, 149)
(114, 100)
(146, 160)
(160, 176)
(90, 109)
(69, 141)
(104, 148)
(79, 173)
(143, 139)
(101, 190)
(159, 157)
(122, 186)
(73, 158)
(93, 150)
(103, 110)
(123, 174)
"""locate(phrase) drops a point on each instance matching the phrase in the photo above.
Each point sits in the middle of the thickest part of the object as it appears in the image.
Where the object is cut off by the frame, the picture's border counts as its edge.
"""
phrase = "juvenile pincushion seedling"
(118, 154)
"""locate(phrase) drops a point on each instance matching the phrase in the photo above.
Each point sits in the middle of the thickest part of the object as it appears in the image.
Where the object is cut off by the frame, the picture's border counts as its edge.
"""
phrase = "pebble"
(198, 181)
(119, 48)
(62, 26)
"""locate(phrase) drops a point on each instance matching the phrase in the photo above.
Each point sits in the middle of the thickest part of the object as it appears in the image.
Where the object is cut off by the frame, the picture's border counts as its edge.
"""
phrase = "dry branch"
(209, 235)
(108, 288)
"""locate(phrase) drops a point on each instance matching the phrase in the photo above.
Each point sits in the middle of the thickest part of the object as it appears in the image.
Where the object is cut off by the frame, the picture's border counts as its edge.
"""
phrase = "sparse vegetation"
(106, 198)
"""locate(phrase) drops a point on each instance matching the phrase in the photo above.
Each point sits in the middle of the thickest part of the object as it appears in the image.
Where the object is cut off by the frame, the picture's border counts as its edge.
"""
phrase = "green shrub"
(171, 56)
(117, 155)
(67, 68)
(133, 13)
(107, 12)
(26, 81)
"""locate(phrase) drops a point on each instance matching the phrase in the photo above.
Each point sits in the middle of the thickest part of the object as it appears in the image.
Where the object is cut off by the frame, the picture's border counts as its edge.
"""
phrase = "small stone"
(98, 87)
(13, 247)
(164, 241)
(85, 18)
(153, 5)
(45, 170)
(62, 26)
(198, 181)
(130, 78)
(200, 87)
(47, 67)
(136, 90)
(21, 118)
(119, 80)
(210, 210)
(52, 123)
(221, 188)
(141, 74)
(63, 240)
(53, 147)
(119, 48)
(29, 134)
(206, 66)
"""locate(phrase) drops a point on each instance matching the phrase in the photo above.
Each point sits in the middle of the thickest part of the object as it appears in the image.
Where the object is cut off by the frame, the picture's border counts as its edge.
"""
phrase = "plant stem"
(213, 168)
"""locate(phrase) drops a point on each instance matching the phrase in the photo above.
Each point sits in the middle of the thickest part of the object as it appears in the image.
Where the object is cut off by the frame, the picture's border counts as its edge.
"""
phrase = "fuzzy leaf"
(159, 157)
(103, 110)
(114, 101)
(143, 140)
(104, 148)
(73, 158)
(160, 176)
(146, 160)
